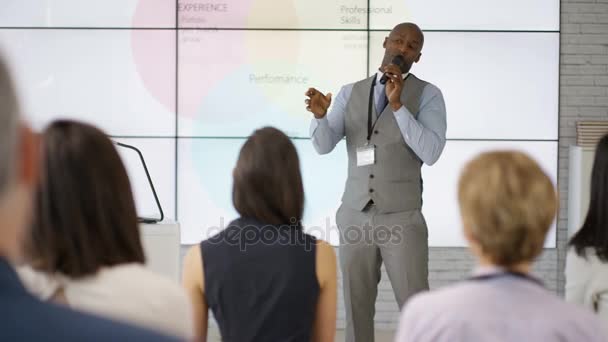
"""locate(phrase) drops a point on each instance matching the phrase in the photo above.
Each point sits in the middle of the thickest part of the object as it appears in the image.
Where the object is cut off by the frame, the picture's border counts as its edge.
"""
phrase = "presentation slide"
(514, 15)
(121, 80)
(187, 81)
(205, 173)
(231, 82)
(440, 205)
(495, 85)
(480, 15)
(205, 186)
(484, 101)
(88, 13)
(272, 14)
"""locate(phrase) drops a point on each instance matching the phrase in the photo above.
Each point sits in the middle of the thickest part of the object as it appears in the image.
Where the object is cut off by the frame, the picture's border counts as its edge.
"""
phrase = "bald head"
(9, 127)
(405, 40)
(400, 29)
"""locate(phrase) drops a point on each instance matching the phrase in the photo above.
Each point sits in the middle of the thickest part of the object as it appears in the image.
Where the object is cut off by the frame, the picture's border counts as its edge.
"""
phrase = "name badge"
(366, 155)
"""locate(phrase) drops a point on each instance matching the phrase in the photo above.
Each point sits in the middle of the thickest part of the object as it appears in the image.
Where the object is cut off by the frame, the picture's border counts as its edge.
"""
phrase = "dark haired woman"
(84, 248)
(263, 278)
(587, 258)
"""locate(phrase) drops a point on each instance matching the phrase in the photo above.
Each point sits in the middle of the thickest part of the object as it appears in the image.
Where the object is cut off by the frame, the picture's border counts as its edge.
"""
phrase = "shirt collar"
(486, 270)
(480, 270)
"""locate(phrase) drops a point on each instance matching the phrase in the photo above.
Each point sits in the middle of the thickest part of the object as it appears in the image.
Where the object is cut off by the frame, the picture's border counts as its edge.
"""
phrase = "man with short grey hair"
(25, 318)
(8, 129)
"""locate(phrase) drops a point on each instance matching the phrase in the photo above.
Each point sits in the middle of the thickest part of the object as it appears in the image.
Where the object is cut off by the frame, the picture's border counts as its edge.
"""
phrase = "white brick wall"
(583, 95)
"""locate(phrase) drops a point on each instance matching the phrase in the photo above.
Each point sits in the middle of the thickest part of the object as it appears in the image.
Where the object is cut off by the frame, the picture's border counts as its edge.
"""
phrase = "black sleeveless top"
(260, 281)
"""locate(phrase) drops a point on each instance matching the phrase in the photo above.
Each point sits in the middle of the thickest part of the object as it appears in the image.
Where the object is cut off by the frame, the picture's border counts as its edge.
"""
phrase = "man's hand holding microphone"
(318, 103)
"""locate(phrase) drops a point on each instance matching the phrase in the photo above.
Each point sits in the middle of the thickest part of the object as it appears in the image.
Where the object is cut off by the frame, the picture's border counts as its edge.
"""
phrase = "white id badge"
(366, 155)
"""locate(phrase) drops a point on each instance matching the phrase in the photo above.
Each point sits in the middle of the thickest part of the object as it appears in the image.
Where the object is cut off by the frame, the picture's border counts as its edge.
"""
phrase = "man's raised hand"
(317, 103)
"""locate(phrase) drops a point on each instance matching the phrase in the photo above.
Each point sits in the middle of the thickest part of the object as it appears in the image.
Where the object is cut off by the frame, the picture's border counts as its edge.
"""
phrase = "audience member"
(25, 318)
(587, 258)
(263, 278)
(507, 205)
(84, 248)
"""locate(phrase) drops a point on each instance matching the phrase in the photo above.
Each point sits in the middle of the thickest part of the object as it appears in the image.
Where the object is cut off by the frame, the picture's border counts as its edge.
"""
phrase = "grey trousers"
(367, 239)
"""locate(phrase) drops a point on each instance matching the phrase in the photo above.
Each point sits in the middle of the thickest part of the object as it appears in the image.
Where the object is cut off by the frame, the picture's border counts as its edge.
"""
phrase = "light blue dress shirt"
(425, 136)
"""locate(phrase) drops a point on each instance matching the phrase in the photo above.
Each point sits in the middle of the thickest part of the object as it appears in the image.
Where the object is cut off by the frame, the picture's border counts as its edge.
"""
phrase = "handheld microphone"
(397, 60)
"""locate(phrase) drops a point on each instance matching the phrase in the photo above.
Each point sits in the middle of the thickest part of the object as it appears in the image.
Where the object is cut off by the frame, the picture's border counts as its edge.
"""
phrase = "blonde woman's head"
(507, 204)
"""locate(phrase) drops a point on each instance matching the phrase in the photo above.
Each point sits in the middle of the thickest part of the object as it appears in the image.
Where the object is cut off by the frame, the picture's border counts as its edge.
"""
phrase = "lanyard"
(370, 127)
(485, 277)
(369, 109)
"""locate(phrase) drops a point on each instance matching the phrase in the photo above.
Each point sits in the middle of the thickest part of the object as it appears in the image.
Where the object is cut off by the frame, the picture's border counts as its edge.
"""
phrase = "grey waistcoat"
(393, 182)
